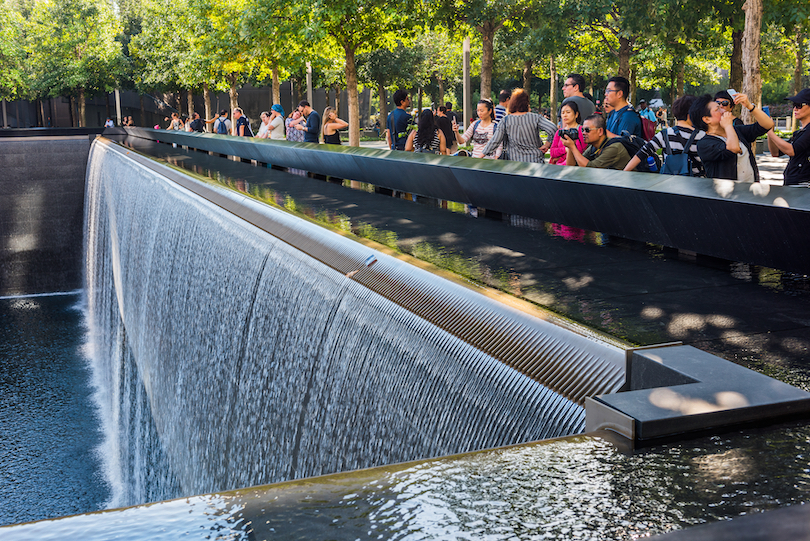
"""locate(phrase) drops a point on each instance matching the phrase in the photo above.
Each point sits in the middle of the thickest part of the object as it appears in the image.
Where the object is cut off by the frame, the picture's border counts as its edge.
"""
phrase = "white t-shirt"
(277, 132)
(480, 139)
(745, 173)
(263, 130)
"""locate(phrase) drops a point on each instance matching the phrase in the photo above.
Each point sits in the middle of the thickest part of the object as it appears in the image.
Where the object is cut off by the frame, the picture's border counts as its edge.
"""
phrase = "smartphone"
(731, 92)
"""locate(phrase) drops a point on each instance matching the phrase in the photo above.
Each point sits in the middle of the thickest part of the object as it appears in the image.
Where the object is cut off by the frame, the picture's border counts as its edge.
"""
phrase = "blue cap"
(278, 108)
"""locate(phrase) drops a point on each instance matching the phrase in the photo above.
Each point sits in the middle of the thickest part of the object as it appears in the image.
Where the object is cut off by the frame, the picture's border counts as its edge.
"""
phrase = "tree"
(72, 49)
(12, 53)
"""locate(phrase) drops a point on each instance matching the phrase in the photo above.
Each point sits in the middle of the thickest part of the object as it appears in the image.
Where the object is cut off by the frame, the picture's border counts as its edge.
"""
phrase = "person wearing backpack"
(222, 125)
(480, 131)
(602, 152)
(624, 117)
(396, 133)
(672, 141)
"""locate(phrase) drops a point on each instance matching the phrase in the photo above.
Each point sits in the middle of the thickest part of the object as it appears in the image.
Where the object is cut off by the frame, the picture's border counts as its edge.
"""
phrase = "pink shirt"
(557, 150)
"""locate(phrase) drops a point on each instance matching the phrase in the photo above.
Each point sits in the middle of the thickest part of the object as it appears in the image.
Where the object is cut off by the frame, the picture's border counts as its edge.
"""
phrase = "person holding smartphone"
(798, 146)
(726, 149)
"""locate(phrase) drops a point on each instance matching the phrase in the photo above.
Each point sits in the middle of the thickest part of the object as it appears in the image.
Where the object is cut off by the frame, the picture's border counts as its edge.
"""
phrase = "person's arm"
(649, 148)
(409, 142)
(388, 137)
(339, 124)
(550, 128)
(609, 156)
(732, 140)
(443, 144)
(759, 115)
(241, 130)
(463, 138)
(779, 146)
(633, 163)
(497, 137)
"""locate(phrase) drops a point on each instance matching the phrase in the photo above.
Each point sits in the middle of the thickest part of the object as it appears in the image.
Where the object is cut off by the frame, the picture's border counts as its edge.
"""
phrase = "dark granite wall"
(41, 213)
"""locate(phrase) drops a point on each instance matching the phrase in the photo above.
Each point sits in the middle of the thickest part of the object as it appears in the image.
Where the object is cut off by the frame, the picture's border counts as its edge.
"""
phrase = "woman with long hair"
(427, 138)
(519, 131)
(480, 131)
(331, 126)
(570, 120)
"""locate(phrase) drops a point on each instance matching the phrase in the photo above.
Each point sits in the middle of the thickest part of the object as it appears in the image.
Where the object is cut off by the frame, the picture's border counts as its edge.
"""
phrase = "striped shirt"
(678, 136)
(480, 139)
(521, 134)
(500, 112)
(432, 147)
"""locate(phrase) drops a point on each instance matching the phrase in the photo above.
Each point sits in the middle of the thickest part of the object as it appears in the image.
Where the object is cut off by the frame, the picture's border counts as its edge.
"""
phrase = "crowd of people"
(706, 139)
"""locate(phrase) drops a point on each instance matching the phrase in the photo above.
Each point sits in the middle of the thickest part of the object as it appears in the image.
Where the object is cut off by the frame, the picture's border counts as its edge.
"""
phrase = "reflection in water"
(575, 488)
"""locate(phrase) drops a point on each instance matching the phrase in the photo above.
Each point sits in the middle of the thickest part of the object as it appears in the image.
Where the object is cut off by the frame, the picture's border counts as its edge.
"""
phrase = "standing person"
(602, 153)
(312, 128)
(242, 126)
(277, 126)
(264, 127)
(645, 112)
(726, 102)
(447, 126)
(570, 119)
(332, 126)
(519, 131)
(725, 150)
(573, 89)
(176, 123)
(798, 146)
(109, 123)
(480, 131)
(661, 116)
(677, 136)
(222, 125)
(426, 138)
(290, 123)
(452, 115)
(623, 117)
(503, 102)
(396, 132)
(196, 123)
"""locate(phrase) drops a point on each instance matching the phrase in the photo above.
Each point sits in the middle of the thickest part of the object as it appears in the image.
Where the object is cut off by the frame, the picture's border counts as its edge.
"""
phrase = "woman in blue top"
(725, 150)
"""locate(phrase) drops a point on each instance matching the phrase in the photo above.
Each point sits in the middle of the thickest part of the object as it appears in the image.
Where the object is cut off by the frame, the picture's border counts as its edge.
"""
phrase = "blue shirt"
(625, 119)
(313, 130)
(397, 125)
(243, 121)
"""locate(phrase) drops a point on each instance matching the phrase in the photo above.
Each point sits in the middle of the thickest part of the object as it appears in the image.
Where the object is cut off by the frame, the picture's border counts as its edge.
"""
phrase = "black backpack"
(632, 144)
(680, 163)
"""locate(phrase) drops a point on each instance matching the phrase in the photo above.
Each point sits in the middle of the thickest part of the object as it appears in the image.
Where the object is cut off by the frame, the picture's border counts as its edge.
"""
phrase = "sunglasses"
(722, 103)
(799, 105)
(587, 130)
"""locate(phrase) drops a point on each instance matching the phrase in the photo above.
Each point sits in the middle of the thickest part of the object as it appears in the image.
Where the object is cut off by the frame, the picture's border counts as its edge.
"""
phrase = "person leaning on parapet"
(290, 123)
(677, 136)
(396, 125)
(242, 126)
(798, 146)
(109, 123)
(196, 123)
(264, 127)
(623, 117)
(221, 123)
(503, 103)
(724, 150)
(519, 131)
(175, 123)
(312, 129)
(573, 89)
(602, 152)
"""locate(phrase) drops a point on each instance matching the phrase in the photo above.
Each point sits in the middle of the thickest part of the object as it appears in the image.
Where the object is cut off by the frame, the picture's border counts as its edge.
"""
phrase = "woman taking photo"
(331, 126)
(427, 138)
(725, 150)
(480, 131)
(571, 120)
(519, 131)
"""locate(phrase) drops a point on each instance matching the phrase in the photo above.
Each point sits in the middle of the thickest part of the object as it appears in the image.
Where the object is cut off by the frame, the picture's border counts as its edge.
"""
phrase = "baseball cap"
(801, 97)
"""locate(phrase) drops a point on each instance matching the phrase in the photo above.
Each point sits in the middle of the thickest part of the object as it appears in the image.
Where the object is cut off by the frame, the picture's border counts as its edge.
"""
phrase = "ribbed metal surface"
(573, 365)
(736, 221)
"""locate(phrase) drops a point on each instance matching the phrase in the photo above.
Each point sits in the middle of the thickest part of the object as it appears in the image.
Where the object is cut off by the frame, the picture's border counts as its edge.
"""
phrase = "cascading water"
(225, 358)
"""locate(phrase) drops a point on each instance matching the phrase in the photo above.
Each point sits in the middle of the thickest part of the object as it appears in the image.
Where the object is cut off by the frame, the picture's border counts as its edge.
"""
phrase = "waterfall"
(225, 358)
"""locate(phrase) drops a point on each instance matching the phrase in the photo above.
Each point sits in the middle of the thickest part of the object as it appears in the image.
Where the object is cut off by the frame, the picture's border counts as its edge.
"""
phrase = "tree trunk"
(190, 98)
(354, 102)
(82, 110)
(232, 93)
(625, 52)
(72, 103)
(633, 98)
(680, 80)
(107, 103)
(419, 100)
(752, 79)
(42, 114)
(276, 86)
(735, 76)
(296, 91)
(487, 31)
(552, 96)
(527, 76)
(440, 84)
(337, 100)
(143, 113)
(673, 82)
(207, 98)
(797, 73)
(383, 113)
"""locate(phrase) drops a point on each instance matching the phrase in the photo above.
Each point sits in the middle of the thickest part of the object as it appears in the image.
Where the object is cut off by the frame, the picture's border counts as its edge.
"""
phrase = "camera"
(572, 133)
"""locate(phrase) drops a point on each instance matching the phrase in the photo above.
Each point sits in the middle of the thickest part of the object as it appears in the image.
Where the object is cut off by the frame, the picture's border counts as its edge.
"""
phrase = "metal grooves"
(570, 364)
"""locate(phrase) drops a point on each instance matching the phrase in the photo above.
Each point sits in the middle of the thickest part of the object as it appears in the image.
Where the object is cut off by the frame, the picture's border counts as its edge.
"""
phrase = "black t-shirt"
(798, 167)
(445, 124)
(197, 125)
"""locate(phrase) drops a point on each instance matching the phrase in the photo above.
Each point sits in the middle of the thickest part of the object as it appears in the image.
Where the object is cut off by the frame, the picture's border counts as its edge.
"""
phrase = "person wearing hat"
(798, 146)
(277, 127)
(645, 112)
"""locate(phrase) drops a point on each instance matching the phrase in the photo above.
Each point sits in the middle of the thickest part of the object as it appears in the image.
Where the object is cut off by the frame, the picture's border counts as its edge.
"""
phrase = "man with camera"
(602, 153)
